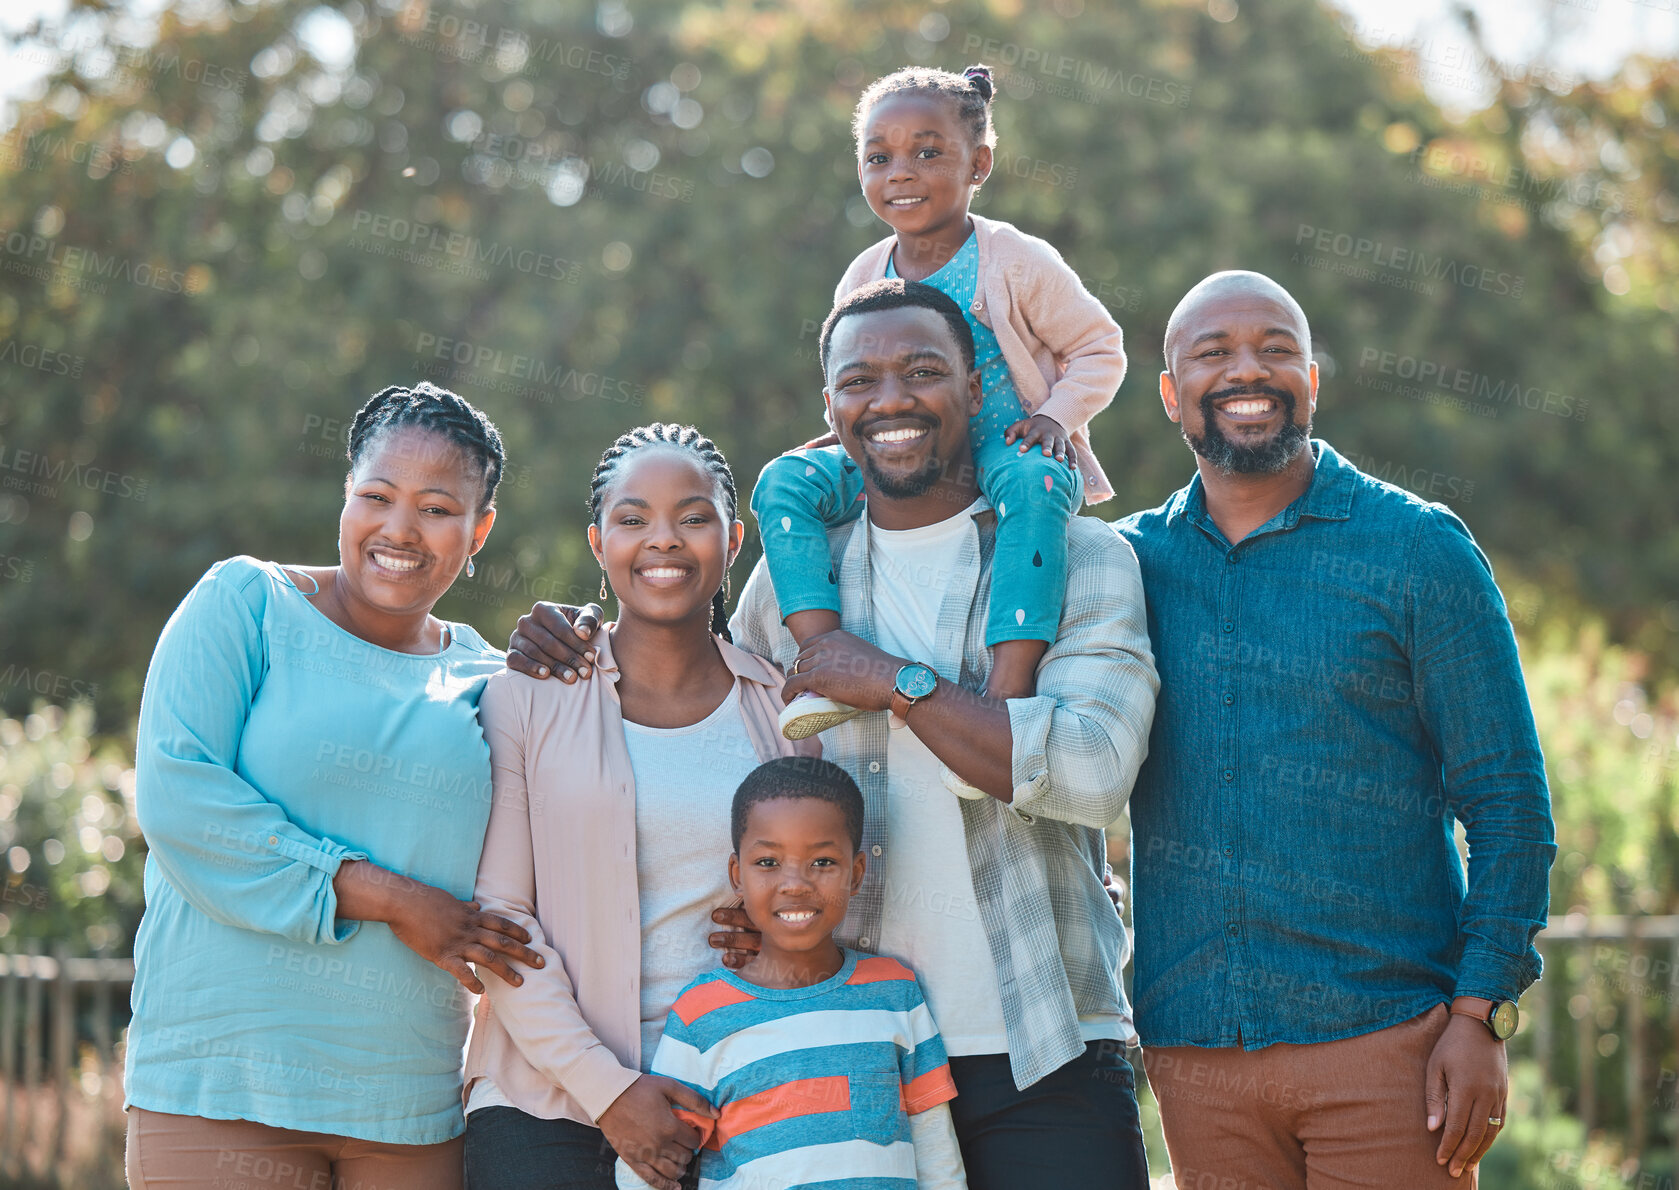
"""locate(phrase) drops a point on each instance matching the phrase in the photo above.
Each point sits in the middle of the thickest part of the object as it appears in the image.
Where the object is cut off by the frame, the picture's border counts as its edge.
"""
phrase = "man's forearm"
(971, 734)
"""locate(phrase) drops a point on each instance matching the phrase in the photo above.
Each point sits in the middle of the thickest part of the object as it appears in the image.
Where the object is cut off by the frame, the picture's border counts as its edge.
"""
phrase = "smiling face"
(1240, 380)
(796, 871)
(899, 398)
(665, 536)
(916, 165)
(411, 518)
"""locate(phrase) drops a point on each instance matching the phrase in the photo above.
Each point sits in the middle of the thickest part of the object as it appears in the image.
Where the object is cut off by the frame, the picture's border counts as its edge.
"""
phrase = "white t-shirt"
(685, 782)
(931, 916)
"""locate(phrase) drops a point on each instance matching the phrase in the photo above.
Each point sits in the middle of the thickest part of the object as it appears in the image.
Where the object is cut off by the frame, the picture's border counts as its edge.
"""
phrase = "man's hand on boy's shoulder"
(553, 638)
(739, 940)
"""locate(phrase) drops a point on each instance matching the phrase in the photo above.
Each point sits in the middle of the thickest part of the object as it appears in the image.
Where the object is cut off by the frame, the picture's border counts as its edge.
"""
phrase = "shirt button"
(1229, 627)
(1229, 698)
(863, 943)
(874, 766)
(1230, 558)
(875, 850)
(1229, 774)
(1229, 850)
(273, 840)
(1233, 929)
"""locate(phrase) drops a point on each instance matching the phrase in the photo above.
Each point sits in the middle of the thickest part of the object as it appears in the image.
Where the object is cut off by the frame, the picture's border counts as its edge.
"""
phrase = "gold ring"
(796, 661)
(1496, 1121)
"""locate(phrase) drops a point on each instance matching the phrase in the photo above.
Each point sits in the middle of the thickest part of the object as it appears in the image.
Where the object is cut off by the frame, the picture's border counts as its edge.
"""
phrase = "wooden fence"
(1603, 1024)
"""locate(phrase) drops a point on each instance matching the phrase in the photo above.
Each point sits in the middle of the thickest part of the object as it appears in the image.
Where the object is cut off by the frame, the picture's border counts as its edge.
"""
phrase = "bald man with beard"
(1323, 993)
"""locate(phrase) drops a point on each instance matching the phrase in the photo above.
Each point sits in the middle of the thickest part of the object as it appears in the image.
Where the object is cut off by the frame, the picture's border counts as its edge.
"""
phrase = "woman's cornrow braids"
(684, 438)
(970, 91)
(427, 407)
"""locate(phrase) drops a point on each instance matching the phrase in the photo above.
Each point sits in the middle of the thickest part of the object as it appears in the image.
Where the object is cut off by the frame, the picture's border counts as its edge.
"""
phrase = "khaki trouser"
(167, 1152)
(1330, 1116)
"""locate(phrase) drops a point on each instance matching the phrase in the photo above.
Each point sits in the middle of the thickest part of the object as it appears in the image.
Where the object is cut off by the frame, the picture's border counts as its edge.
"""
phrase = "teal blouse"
(272, 746)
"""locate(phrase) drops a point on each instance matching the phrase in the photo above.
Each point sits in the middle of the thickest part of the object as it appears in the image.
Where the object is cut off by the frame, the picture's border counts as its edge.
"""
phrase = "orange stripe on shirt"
(877, 969)
(929, 1090)
(694, 1003)
(801, 1097)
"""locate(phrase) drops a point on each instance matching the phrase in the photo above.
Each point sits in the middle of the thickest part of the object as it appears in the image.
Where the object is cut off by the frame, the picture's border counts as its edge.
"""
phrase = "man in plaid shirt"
(995, 899)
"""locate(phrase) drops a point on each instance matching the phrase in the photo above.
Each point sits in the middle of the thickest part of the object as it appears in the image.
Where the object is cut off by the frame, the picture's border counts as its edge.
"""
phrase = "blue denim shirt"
(1336, 691)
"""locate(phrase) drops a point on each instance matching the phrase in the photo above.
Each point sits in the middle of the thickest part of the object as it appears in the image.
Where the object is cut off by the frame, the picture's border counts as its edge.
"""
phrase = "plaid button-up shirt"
(1056, 940)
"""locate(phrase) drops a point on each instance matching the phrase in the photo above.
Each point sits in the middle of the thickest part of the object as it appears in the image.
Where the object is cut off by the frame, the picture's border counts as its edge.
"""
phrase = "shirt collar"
(1329, 498)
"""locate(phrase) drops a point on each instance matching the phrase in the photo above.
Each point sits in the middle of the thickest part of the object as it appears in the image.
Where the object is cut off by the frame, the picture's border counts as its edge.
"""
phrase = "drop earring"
(603, 585)
(470, 569)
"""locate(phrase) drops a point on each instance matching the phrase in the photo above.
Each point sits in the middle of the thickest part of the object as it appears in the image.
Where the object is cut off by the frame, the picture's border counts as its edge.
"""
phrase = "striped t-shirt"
(813, 1086)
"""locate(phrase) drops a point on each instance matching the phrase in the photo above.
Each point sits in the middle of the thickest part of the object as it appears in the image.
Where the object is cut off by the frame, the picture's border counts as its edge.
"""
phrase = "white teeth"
(903, 202)
(796, 916)
(892, 436)
(663, 572)
(1247, 407)
(391, 562)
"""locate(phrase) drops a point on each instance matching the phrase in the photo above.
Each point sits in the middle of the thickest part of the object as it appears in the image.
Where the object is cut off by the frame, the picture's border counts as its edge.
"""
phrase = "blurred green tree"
(218, 235)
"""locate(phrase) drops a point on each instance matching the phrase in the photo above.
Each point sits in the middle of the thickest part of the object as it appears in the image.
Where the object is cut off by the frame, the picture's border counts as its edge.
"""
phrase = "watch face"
(1503, 1019)
(917, 681)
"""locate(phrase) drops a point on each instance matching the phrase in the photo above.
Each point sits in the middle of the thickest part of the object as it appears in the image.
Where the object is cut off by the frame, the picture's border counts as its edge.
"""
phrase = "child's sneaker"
(958, 786)
(810, 713)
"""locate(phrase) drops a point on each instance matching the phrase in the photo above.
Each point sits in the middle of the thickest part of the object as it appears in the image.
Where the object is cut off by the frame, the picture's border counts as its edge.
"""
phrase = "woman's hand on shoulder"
(553, 638)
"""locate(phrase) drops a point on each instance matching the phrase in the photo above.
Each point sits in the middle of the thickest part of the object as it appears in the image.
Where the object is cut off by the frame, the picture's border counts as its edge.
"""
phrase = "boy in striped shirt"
(824, 1064)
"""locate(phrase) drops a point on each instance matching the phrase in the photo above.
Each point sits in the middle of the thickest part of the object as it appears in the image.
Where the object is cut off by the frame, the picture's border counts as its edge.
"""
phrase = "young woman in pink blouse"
(608, 836)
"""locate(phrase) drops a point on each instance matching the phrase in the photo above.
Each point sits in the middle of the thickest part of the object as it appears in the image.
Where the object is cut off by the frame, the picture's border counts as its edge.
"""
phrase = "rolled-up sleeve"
(1474, 705)
(1079, 742)
(229, 849)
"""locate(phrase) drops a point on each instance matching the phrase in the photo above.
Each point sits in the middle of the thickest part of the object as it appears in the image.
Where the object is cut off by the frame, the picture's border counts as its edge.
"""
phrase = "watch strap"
(901, 703)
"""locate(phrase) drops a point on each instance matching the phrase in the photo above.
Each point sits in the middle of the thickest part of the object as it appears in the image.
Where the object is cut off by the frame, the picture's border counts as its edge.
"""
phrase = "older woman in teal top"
(314, 788)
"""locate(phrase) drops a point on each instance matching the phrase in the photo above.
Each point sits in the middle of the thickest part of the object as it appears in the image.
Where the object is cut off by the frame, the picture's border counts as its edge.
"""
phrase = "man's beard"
(1266, 458)
(903, 487)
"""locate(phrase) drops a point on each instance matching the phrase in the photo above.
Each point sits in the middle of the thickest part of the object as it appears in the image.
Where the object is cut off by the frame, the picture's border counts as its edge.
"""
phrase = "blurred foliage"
(214, 244)
(71, 842)
(1544, 1146)
(1611, 743)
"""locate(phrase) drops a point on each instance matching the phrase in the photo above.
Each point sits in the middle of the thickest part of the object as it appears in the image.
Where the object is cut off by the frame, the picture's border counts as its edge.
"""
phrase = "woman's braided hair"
(683, 438)
(428, 407)
(970, 91)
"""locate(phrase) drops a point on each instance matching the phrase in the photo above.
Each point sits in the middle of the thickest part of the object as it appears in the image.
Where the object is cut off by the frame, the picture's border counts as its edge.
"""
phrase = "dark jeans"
(509, 1150)
(1075, 1127)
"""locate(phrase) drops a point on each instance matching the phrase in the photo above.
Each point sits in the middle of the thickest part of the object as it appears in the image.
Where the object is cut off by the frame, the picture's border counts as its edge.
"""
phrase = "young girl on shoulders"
(1049, 355)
